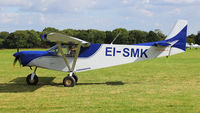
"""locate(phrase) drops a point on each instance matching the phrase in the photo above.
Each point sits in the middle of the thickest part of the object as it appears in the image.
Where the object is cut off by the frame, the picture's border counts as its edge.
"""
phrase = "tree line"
(31, 38)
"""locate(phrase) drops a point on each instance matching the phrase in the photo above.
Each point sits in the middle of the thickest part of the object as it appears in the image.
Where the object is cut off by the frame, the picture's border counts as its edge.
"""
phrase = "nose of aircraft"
(24, 57)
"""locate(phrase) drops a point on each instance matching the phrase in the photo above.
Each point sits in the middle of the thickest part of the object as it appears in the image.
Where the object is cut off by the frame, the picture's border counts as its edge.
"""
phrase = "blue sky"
(98, 14)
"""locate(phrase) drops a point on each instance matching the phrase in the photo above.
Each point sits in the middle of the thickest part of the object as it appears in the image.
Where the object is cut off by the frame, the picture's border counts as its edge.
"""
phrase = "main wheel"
(75, 77)
(69, 81)
(31, 82)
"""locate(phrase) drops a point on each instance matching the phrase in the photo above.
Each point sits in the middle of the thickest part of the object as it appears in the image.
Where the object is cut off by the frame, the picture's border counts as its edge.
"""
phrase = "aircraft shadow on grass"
(18, 84)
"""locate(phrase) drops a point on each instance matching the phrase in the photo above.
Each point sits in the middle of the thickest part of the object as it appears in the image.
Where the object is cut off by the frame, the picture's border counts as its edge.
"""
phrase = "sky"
(98, 14)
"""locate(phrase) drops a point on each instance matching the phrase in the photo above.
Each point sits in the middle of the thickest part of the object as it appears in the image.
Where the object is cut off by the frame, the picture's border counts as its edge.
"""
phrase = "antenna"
(115, 38)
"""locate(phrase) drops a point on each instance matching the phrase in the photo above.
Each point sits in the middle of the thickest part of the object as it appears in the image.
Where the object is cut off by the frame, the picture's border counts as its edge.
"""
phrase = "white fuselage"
(107, 55)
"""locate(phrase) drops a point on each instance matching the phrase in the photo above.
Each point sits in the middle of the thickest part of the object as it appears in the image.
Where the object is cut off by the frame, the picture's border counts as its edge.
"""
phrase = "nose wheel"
(32, 79)
(70, 80)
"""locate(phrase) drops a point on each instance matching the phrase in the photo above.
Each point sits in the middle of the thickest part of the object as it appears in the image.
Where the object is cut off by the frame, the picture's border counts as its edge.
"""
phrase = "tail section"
(178, 35)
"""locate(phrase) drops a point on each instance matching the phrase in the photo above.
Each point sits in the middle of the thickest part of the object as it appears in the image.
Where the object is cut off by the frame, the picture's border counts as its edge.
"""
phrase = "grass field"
(160, 85)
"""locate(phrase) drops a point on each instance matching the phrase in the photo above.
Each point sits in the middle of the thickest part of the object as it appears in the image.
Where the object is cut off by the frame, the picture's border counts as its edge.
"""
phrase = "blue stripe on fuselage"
(28, 56)
(89, 51)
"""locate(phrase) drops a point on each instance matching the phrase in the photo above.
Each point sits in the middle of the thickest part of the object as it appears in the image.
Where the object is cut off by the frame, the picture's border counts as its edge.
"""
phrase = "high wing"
(58, 37)
(61, 38)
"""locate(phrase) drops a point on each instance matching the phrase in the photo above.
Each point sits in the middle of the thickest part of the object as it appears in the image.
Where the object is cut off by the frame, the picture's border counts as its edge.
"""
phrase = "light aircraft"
(188, 45)
(73, 55)
(196, 46)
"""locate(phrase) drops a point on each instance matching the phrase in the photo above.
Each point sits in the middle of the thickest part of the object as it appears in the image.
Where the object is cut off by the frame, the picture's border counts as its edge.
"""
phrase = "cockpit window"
(68, 50)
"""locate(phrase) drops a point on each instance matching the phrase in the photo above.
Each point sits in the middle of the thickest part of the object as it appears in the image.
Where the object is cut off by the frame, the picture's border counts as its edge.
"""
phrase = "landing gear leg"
(75, 77)
(32, 78)
(71, 79)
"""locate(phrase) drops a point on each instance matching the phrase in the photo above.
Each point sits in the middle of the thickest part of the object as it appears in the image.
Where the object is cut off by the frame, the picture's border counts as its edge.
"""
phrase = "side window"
(68, 50)
(71, 50)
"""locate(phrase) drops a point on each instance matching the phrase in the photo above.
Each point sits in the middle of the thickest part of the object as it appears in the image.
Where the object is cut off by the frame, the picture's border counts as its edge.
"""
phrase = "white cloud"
(15, 3)
(157, 24)
(104, 14)
(174, 11)
(49, 5)
(125, 2)
(145, 1)
(146, 12)
(60, 5)
(127, 18)
(30, 22)
(42, 18)
(8, 17)
(141, 11)
(81, 4)
(181, 1)
(141, 7)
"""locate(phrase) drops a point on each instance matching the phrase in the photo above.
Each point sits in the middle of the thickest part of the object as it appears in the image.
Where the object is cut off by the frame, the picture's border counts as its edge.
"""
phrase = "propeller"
(17, 57)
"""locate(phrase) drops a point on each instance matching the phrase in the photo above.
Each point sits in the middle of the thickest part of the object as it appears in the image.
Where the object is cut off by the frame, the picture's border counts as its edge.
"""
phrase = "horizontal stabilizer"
(58, 37)
(162, 44)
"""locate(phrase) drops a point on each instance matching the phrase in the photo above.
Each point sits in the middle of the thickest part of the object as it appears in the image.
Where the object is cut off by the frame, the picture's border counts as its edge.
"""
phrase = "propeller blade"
(15, 61)
(20, 64)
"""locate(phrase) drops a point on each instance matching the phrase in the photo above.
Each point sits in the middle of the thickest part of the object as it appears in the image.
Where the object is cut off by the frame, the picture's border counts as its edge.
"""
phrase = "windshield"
(52, 48)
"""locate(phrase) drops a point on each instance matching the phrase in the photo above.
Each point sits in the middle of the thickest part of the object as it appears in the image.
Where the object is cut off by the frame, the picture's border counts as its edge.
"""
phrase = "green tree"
(139, 36)
(160, 34)
(96, 36)
(10, 41)
(2, 43)
(3, 36)
(22, 38)
(132, 39)
(191, 38)
(109, 37)
(151, 37)
(50, 30)
(34, 39)
(197, 38)
(70, 32)
(83, 34)
(123, 37)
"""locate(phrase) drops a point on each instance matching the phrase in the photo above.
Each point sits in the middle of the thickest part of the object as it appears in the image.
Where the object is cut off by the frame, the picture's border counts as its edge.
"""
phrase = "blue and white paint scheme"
(94, 56)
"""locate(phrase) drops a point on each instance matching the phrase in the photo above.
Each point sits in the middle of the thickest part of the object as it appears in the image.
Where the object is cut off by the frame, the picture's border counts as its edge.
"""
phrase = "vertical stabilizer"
(179, 34)
(179, 26)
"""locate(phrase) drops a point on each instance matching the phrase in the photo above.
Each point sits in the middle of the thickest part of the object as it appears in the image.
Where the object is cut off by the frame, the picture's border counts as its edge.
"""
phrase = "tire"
(31, 82)
(69, 81)
(75, 77)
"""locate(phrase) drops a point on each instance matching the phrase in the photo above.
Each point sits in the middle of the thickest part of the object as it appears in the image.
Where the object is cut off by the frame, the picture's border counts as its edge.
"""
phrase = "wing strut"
(71, 69)
(63, 55)
(76, 57)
